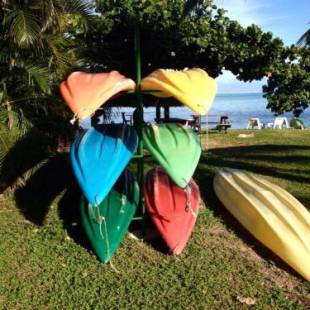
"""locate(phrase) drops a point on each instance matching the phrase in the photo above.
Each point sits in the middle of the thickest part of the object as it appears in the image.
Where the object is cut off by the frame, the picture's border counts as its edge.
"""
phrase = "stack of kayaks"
(110, 194)
(99, 157)
(171, 195)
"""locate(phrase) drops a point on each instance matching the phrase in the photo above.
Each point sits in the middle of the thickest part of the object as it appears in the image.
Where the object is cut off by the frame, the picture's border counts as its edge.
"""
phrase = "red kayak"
(172, 209)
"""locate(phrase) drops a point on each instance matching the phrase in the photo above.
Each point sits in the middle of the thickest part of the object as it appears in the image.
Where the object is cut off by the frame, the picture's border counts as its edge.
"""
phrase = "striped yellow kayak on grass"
(192, 87)
(269, 213)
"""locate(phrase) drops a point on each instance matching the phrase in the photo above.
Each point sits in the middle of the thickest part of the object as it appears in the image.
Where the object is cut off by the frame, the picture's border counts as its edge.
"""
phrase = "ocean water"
(238, 107)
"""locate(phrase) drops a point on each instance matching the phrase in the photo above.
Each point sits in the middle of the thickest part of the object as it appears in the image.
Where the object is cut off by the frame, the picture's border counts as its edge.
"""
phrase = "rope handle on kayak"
(124, 194)
(76, 114)
(189, 208)
(101, 220)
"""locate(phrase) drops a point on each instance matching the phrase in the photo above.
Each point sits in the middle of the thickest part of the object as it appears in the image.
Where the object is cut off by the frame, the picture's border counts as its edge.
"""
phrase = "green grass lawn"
(46, 261)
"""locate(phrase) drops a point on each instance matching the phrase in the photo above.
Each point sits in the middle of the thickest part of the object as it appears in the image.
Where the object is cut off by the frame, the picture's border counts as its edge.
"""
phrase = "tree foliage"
(37, 50)
(175, 35)
(288, 87)
(198, 34)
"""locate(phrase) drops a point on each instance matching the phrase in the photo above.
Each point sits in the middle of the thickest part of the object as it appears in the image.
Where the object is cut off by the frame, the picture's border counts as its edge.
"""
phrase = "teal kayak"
(106, 225)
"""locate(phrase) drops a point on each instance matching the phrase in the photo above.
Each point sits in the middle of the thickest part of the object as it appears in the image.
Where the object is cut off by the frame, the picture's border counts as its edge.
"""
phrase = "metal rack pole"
(139, 121)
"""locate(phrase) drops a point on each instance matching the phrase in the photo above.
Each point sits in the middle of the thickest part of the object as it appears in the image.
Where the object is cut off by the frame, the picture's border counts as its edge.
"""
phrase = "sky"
(286, 19)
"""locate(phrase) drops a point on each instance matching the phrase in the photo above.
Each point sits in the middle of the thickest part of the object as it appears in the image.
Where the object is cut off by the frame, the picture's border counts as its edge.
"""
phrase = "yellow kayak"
(269, 213)
(193, 87)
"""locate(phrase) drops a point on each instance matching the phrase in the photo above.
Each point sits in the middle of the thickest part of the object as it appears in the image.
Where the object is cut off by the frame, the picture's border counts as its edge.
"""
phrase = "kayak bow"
(99, 156)
(176, 147)
(192, 87)
(106, 225)
(172, 209)
(84, 92)
(269, 213)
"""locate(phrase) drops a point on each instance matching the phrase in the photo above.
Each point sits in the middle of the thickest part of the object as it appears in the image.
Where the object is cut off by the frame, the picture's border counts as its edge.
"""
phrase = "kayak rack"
(138, 118)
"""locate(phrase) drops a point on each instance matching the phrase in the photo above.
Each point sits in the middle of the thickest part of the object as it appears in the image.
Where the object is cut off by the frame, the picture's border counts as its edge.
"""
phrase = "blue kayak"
(99, 156)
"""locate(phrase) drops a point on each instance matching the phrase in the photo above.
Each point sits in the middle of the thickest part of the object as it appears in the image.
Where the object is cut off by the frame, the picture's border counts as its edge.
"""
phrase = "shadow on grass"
(35, 198)
(256, 159)
(26, 153)
(235, 157)
(44, 186)
(69, 212)
(150, 234)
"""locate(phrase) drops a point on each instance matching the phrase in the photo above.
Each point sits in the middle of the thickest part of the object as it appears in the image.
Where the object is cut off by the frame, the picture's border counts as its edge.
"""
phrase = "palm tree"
(37, 49)
(304, 40)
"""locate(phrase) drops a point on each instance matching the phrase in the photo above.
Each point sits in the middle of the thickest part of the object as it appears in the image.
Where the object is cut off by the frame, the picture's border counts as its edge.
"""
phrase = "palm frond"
(21, 125)
(48, 14)
(5, 145)
(41, 76)
(57, 44)
(24, 27)
(304, 39)
(78, 7)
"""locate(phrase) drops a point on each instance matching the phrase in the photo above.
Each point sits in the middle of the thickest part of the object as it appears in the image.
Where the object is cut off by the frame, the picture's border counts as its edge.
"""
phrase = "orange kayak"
(84, 92)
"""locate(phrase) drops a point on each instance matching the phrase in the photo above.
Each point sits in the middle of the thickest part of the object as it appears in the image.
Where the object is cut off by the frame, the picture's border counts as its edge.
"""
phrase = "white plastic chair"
(280, 122)
(254, 122)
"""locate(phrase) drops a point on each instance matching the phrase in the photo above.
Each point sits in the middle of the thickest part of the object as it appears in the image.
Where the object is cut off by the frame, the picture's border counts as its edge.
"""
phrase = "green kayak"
(297, 123)
(107, 224)
(176, 148)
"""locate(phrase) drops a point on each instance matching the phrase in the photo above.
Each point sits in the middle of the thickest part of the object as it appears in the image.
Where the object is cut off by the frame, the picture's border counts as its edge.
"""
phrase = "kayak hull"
(85, 92)
(192, 87)
(172, 209)
(99, 156)
(269, 213)
(176, 148)
(106, 225)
